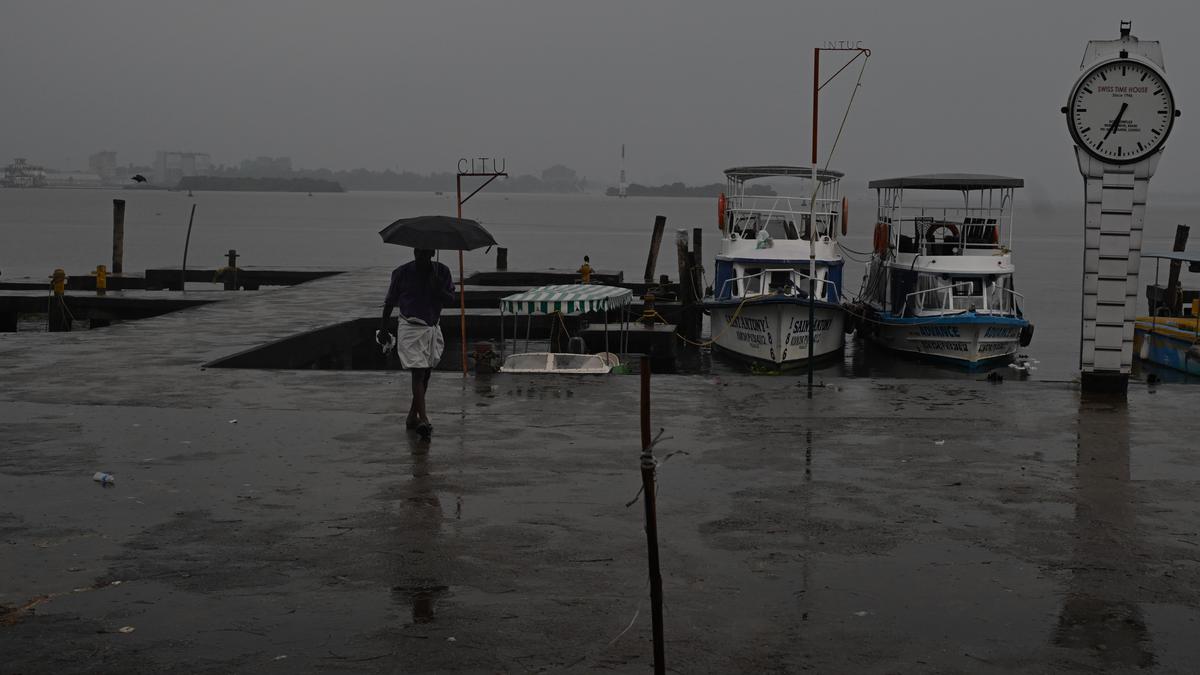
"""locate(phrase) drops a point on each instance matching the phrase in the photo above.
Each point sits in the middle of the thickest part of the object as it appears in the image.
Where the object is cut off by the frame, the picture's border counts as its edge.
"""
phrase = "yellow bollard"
(59, 281)
(101, 280)
(1196, 309)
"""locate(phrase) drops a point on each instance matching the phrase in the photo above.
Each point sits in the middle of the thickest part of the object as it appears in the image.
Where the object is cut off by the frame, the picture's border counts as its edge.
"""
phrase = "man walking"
(419, 290)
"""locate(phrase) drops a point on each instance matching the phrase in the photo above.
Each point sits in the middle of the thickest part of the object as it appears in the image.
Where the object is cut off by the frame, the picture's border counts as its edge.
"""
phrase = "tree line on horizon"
(557, 178)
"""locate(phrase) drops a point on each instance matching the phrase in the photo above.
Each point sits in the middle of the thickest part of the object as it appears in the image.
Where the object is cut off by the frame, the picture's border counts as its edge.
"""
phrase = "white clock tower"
(1120, 113)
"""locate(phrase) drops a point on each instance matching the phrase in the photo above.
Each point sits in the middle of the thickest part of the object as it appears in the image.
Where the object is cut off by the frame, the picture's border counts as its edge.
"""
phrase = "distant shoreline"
(239, 184)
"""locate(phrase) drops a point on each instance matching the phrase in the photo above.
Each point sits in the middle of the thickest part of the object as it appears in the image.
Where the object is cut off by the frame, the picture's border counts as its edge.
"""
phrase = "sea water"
(41, 229)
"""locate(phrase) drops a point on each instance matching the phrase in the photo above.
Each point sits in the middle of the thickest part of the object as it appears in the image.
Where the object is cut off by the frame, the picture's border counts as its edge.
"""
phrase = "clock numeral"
(1102, 77)
(1144, 76)
(1087, 90)
(1085, 130)
(1157, 92)
(1162, 112)
(1122, 75)
(1140, 148)
(1156, 132)
(1100, 145)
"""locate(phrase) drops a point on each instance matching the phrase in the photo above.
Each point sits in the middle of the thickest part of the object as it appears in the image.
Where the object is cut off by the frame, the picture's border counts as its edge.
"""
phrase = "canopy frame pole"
(606, 330)
(528, 330)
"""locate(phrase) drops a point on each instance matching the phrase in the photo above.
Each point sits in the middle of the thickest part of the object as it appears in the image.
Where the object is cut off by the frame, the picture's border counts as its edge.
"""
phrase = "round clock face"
(1121, 111)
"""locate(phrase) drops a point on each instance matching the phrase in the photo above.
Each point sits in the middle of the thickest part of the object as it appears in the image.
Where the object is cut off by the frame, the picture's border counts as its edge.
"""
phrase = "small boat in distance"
(939, 283)
(775, 250)
(1170, 336)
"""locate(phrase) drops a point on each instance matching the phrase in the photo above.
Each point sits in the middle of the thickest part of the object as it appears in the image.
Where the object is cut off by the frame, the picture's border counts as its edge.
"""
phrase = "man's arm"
(389, 302)
(448, 292)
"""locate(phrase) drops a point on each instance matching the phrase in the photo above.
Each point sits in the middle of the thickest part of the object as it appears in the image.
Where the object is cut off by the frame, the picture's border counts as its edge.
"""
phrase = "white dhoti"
(418, 344)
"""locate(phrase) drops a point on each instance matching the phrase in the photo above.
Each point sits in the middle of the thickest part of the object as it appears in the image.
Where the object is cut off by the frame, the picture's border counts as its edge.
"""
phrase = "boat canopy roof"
(744, 173)
(569, 299)
(948, 181)
(1182, 256)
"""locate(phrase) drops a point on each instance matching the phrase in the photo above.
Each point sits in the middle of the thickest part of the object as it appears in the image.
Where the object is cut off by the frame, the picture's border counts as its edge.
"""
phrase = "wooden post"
(118, 257)
(685, 282)
(660, 223)
(501, 259)
(231, 280)
(1174, 292)
(187, 240)
(688, 293)
(648, 470)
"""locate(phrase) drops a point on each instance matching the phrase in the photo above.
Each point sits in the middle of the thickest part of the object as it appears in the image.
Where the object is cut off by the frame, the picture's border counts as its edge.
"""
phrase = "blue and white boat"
(940, 280)
(778, 266)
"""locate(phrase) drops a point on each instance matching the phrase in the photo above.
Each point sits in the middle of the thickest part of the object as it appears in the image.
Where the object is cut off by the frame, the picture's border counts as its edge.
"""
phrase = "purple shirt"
(420, 296)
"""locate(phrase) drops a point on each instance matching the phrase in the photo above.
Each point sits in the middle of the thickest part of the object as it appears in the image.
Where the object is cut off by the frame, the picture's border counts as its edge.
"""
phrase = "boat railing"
(960, 303)
(792, 288)
(796, 211)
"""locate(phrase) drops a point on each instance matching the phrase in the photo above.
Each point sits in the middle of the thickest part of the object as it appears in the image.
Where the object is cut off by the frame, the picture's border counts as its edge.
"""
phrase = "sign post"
(473, 167)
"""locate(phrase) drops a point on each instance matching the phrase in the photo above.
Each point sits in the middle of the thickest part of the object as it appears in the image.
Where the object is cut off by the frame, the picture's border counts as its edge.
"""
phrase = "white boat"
(564, 300)
(774, 274)
(555, 362)
(940, 280)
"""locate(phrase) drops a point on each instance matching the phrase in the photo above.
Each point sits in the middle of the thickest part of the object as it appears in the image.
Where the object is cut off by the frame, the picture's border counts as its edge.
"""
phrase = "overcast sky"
(689, 87)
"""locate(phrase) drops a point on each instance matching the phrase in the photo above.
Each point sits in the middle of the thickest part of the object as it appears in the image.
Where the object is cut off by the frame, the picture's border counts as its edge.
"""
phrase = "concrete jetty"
(284, 521)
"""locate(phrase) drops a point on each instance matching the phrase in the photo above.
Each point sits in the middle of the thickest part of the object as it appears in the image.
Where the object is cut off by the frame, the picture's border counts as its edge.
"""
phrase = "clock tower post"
(1120, 112)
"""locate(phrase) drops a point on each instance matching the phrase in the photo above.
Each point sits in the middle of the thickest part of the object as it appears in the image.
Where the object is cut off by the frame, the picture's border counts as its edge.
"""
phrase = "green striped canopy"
(568, 299)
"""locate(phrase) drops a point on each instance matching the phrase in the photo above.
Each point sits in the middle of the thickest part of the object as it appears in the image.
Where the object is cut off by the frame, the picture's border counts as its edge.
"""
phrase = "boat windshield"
(991, 293)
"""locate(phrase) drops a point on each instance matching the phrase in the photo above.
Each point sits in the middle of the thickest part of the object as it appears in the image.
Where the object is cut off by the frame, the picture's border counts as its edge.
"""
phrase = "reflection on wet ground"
(1101, 611)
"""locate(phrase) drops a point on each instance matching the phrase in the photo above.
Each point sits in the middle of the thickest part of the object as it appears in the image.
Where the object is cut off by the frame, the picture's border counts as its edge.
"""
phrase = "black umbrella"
(441, 233)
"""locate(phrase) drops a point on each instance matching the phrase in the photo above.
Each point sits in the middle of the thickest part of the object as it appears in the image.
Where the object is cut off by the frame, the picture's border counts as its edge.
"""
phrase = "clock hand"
(1116, 120)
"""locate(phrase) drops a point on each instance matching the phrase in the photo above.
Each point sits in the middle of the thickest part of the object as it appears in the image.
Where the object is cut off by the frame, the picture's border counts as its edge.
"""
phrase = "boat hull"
(971, 341)
(775, 333)
(1167, 345)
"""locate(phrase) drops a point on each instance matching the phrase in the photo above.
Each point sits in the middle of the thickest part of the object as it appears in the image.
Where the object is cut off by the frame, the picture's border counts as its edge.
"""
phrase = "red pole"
(816, 85)
(462, 288)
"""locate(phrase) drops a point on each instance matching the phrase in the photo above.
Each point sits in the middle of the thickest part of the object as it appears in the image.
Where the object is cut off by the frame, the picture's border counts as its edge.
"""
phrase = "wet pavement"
(284, 521)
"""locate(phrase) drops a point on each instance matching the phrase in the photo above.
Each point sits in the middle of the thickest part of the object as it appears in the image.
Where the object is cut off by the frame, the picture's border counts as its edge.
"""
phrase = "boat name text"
(940, 331)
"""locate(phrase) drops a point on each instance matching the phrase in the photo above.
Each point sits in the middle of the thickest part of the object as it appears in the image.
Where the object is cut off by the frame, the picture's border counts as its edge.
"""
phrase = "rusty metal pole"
(648, 467)
(812, 218)
(462, 288)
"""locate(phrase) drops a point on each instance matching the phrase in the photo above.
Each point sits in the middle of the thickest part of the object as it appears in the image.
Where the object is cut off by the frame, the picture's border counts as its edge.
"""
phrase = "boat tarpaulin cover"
(569, 299)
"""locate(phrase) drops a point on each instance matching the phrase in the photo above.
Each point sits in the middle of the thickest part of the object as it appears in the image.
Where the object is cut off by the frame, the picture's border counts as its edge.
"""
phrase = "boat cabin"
(945, 254)
(772, 244)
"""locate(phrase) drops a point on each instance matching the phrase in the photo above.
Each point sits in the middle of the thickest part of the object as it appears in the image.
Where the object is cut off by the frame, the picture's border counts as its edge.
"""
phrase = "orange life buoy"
(721, 211)
(936, 226)
(845, 216)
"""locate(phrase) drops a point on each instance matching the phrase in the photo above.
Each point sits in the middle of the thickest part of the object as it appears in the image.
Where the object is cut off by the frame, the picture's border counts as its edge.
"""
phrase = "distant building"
(23, 174)
(73, 179)
(170, 166)
(104, 164)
